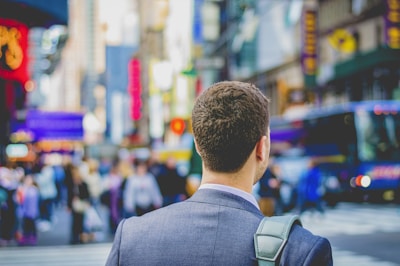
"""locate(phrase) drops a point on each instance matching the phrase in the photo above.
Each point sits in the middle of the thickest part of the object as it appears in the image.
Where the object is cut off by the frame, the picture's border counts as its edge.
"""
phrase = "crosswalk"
(76, 255)
(348, 258)
(354, 219)
(346, 219)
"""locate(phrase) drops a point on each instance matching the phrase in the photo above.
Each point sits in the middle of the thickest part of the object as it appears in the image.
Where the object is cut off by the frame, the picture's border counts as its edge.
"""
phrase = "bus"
(356, 145)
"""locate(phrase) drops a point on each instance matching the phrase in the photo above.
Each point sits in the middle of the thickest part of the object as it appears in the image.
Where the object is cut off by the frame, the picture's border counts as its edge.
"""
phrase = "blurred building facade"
(309, 52)
(168, 75)
(134, 68)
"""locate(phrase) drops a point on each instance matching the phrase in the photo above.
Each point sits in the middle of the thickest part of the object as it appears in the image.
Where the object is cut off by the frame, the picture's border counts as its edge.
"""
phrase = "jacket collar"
(218, 197)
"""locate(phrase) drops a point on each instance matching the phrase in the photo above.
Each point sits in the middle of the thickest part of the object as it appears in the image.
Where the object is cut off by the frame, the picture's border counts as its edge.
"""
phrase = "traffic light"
(177, 125)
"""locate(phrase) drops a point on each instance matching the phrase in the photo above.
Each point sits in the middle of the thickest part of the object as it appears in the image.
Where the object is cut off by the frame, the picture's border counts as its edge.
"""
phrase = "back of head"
(228, 119)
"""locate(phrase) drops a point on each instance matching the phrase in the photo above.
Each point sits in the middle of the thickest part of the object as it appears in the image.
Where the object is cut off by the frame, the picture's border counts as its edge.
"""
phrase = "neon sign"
(135, 88)
(13, 46)
(386, 172)
(13, 52)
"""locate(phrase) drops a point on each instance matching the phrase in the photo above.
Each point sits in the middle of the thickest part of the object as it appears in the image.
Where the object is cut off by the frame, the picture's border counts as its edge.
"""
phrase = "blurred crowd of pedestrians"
(30, 192)
(125, 186)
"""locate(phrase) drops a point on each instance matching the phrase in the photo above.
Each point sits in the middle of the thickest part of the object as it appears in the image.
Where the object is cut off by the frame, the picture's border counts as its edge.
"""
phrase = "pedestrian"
(195, 170)
(142, 193)
(59, 177)
(269, 192)
(48, 192)
(78, 203)
(172, 184)
(310, 189)
(93, 180)
(111, 197)
(155, 164)
(8, 206)
(28, 199)
(216, 225)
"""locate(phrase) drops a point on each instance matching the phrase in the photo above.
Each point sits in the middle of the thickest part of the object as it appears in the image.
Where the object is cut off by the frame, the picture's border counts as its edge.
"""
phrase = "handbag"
(92, 220)
(79, 205)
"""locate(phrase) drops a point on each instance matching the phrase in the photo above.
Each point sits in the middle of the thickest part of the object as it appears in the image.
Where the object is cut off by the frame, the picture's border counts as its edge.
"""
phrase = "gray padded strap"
(271, 237)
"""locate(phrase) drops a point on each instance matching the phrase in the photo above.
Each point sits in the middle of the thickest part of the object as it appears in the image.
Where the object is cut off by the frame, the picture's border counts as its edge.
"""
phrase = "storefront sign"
(309, 47)
(13, 50)
(392, 24)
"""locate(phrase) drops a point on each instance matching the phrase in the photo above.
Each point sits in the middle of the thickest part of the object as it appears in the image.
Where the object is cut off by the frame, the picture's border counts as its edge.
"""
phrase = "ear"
(197, 148)
(262, 148)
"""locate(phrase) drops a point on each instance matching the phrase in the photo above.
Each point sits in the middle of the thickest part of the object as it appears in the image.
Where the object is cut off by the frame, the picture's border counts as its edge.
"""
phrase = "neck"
(242, 179)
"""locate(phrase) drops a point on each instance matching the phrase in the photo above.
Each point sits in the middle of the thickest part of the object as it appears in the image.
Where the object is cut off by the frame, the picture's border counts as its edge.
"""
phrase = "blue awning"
(47, 125)
(40, 13)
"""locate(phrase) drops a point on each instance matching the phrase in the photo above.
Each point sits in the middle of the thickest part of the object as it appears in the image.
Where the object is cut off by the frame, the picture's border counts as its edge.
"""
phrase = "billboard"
(46, 125)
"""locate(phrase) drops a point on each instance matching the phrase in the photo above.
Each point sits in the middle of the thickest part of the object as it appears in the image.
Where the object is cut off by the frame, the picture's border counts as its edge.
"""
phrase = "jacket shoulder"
(305, 248)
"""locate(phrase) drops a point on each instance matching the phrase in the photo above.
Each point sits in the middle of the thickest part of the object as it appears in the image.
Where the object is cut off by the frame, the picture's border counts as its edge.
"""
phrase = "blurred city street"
(96, 93)
(360, 234)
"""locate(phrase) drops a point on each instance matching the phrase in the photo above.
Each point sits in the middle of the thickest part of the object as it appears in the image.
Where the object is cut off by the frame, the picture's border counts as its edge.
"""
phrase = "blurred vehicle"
(356, 144)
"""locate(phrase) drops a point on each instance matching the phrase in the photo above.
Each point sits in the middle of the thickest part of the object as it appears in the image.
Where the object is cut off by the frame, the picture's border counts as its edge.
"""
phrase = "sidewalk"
(58, 233)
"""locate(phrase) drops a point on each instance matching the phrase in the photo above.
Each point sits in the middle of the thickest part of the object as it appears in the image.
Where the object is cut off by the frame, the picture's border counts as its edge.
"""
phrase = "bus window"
(365, 135)
(330, 136)
(378, 136)
(396, 122)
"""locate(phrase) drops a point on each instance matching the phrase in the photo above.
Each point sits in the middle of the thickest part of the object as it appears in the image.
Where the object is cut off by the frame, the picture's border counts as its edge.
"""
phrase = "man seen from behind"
(216, 225)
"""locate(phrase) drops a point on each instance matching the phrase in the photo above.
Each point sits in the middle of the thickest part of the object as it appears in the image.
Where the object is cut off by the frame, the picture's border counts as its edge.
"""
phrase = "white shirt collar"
(238, 192)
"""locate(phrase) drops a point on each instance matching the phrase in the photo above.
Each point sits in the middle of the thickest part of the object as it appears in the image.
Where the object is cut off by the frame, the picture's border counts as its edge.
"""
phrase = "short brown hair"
(228, 119)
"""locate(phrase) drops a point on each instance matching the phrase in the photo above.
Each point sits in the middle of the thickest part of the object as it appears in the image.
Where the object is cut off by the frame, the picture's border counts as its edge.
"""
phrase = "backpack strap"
(271, 237)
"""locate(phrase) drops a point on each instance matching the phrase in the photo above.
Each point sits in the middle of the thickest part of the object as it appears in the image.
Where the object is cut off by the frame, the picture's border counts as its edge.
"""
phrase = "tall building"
(18, 23)
(306, 52)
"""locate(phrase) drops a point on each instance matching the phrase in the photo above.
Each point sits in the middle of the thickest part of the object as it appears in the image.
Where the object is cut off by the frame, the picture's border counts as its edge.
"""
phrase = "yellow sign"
(392, 24)
(309, 48)
(343, 41)
(13, 54)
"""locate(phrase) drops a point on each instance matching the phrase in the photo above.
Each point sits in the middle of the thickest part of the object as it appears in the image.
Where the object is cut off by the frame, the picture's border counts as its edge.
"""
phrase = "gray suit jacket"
(210, 228)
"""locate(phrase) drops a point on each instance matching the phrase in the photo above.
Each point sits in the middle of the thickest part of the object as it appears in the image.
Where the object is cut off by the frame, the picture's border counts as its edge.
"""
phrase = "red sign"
(13, 50)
